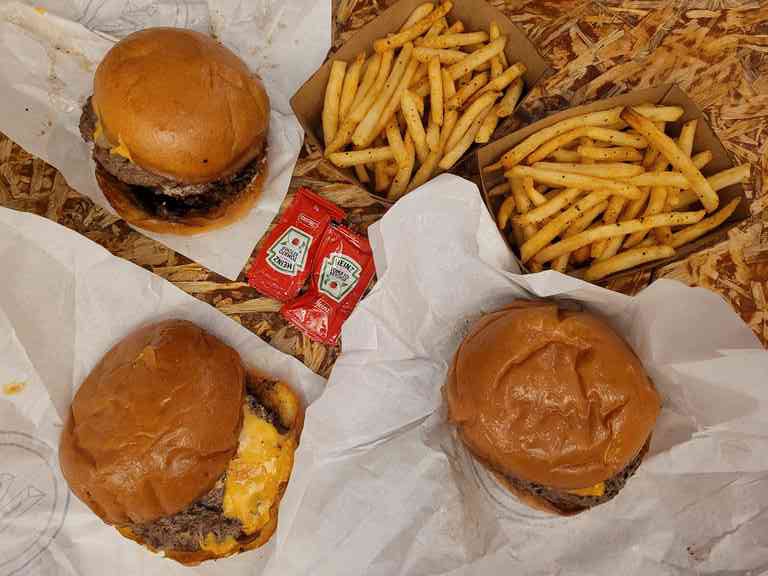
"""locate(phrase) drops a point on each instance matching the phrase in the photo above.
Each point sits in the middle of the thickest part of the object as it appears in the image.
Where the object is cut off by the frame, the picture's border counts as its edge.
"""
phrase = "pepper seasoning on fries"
(611, 177)
(441, 87)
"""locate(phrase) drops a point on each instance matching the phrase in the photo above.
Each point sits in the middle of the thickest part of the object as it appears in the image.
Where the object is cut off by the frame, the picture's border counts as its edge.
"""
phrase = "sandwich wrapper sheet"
(382, 486)
(64, 302)
(49, 51)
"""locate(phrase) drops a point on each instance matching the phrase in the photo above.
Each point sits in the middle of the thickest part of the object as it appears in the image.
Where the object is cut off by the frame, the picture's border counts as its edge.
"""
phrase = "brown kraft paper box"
(668, 94)
(477, 15)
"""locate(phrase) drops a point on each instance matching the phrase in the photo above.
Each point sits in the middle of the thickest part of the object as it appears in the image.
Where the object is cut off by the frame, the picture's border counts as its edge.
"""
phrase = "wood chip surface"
(715, 50)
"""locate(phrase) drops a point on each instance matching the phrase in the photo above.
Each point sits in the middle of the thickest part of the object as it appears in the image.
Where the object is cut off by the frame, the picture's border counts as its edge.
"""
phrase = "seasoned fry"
(505, 79)
(420, 12)
(449, 88)
(610, 230)
(332, 98)
(464, 142)
(493, 33)
(349, 88)
(433, 135)
(579, 256)
(555, 144)
(559, 223)
(659, 113)
(435, 91)
(366, 131)
(568, 156)
(423, 54)
(369, 77)
(675, 156)
(656, 203)
(381, 177)
(651, 153)
(454, 40)
(409, 106)
(708, 224)
(394, 102)
(455, 28)
(518, 192)
(395, 141)
(472, 113)
(344, 159)
(478, 57)
(358, 112)
(509, 100)
(585, 220)
(618, 154)
(659, 179)
(505, 211)
(488, 126)
(533, 195)
(581, 181)
(499, 189)
(552, 206)
(625, 260)
(615, 137)
(611, 214)
(702, 159)
(687, 135)
(404, 170)
(465, 92)
(362, 173)
(413, 31)
(729, 177)
(437, 28)
(519, 152)
(616, 170)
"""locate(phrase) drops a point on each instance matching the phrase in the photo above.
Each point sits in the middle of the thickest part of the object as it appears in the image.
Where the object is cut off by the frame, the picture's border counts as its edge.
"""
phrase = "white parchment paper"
(49, 50)
(65, 301)
(383, 487)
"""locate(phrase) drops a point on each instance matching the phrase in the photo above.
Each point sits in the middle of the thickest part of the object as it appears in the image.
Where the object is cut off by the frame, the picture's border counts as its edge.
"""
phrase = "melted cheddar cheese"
(596, 490)
(211, 544)
(121, 149)
(255, 476)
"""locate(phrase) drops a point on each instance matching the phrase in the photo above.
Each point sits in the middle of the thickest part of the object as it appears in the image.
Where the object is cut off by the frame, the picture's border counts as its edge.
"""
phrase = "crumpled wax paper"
(64, 302)
(383, 487)
(49, 50)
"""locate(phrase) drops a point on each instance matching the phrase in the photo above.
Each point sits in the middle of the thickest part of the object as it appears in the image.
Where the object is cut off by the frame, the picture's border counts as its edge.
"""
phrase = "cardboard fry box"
(667, 94)
(477, 15)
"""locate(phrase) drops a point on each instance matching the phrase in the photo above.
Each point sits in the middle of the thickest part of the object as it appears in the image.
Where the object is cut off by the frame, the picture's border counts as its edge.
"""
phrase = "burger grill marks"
(161, 196)
(569, 503)
(185, 530)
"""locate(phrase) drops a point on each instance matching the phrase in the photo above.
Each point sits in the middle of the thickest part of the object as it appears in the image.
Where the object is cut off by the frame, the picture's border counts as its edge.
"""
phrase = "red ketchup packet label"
(285, 260)
(342, 271)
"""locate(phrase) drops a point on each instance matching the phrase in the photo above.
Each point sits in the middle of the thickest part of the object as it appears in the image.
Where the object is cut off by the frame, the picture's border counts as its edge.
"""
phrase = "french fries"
(626, 260)
(618, 188)
(404, 96)
(332, 99)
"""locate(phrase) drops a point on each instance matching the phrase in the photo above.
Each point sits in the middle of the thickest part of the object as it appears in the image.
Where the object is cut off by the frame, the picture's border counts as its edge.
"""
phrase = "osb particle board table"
(716, 50)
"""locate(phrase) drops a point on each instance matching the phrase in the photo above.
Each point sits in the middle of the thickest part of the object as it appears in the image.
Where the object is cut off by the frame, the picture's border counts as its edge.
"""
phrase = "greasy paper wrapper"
(47, 61)
(665, 95)
(384, 488)
(64, 302)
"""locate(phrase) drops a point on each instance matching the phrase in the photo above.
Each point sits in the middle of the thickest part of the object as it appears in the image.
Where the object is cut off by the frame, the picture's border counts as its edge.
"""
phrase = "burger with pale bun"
(178, 445)
(179, 130)
(554, 403)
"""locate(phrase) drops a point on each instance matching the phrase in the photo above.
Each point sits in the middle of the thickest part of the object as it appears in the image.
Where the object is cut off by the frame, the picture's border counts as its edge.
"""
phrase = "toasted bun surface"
(155, 424)
(119, 196)
(183, 105)
(550, 396)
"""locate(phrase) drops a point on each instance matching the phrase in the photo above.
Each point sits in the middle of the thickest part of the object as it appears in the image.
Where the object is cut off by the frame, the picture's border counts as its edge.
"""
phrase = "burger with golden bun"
(179, 127)
(554, 402)
(175, 443)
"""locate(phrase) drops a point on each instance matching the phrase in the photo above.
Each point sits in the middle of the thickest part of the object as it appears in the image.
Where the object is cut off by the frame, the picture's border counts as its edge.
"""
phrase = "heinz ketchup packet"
(342, 271)
(285, 259)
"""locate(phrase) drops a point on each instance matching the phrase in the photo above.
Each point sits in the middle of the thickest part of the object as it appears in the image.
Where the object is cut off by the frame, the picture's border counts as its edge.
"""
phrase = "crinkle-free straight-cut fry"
(570, 180)
(613, 170)
(524, 148)
(675, 156)
(332, 99)
(698, 230)
(556, 226)
(345, 159)
(462, 145)
(435, 91)
(659, 113)
(445, 56)
(464, 93)
(419, 13)
(550, 207)
(350, 86)
(614, 154)
(626, 260)
(472, 112)
(410, 110)
(454, 40)
(510, 99)
(478, 57)
(414, 31)
(610, 230)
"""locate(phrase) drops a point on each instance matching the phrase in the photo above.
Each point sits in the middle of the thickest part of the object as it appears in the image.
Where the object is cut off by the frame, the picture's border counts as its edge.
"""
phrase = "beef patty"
(569, 503)
(185, 530)
(163, 197)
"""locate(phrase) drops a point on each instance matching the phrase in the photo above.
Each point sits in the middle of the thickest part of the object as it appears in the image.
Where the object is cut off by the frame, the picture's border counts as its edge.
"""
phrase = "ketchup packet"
(342, 271)
(285, 259)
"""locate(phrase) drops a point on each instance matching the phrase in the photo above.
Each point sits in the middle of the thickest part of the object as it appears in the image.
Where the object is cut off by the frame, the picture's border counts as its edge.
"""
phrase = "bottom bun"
(282, 401)
(123, 201)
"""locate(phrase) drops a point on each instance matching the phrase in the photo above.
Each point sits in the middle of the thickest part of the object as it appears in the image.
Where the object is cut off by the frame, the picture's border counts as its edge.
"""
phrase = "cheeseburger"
(172, 441)
(554, 402)
(179, 126)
